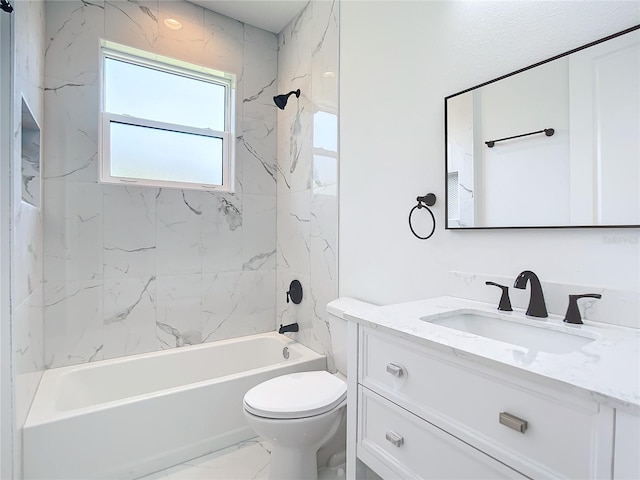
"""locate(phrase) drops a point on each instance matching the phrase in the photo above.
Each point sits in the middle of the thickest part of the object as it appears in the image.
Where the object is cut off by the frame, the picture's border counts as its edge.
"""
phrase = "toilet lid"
(296, 395)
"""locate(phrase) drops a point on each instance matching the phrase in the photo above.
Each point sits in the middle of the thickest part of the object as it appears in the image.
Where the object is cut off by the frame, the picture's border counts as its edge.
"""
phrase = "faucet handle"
(505, 302)
(573, 312)
(295, 292)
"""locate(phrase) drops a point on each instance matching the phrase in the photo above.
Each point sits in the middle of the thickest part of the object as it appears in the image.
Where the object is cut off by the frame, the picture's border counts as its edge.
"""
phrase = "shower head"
(6, 6)
(281, 100)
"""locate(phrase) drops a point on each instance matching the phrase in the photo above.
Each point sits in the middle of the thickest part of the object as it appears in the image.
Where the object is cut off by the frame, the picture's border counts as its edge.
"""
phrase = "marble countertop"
(606, 369)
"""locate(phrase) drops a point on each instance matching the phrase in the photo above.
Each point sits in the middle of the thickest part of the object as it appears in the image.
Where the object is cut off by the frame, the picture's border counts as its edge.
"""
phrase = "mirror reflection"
(554, 145)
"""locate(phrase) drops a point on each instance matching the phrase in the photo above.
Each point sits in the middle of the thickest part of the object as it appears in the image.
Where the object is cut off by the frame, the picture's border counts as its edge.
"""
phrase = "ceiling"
(270, 15)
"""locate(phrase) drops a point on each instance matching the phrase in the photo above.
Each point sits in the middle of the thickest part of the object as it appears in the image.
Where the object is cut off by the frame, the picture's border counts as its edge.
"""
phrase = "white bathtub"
(123, 418)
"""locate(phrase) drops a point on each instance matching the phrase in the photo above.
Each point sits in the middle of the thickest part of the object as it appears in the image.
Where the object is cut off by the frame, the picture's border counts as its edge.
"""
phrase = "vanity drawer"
(402, 445)
(564, 437)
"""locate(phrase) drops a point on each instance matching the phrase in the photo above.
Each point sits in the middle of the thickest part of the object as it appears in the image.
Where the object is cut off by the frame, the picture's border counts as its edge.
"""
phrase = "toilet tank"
(338, 324)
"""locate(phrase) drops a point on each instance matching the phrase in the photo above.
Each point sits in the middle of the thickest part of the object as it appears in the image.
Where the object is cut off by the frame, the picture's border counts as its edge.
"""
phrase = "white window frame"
(171, 66)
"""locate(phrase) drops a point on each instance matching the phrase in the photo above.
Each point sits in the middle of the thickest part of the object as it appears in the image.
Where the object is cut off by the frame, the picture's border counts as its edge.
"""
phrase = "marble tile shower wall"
(26, 221)
(307, 171)
(132, 269)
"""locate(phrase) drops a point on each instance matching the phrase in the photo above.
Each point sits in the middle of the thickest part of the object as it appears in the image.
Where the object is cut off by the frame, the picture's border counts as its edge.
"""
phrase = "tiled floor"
(244, 461)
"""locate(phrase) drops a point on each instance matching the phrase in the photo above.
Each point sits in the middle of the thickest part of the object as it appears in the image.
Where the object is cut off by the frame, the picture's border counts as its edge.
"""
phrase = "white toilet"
(301, 412)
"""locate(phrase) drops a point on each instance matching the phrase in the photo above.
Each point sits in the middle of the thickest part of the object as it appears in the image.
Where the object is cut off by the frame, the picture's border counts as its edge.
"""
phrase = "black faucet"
(293, 327)
(536, 307)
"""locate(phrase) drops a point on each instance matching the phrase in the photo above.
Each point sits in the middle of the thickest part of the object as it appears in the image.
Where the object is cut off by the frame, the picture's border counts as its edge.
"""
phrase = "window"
(165, 123)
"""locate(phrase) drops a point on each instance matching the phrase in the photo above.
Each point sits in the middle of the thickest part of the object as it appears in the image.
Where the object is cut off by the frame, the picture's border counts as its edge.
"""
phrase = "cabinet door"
(626, 460)
(398, 444)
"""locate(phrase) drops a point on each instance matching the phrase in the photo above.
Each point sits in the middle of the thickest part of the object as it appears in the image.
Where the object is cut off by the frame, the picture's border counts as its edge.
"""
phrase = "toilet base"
(295, 442)
(297, 463)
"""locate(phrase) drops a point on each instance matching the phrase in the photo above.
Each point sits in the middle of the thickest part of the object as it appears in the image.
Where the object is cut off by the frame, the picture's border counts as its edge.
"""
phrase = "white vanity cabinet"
(427, 413)
(627, 446)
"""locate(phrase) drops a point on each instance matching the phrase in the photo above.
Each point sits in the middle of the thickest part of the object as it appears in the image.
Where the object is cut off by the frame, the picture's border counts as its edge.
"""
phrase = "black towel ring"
(429, 200)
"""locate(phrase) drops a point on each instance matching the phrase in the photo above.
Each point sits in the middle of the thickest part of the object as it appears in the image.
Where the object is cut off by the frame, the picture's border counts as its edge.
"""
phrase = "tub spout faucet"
(537, 307)
(293, 327)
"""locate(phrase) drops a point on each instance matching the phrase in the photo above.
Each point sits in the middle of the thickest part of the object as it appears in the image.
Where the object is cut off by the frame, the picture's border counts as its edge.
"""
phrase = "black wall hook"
(426, 201)
(429, 200)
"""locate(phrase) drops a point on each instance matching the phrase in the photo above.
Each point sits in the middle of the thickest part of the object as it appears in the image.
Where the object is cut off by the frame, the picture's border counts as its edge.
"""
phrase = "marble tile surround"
(307, 172)
(27, 258)
(131, 269)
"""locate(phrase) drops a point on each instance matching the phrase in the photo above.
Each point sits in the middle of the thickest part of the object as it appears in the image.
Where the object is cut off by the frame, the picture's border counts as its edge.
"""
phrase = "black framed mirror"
(555, 144)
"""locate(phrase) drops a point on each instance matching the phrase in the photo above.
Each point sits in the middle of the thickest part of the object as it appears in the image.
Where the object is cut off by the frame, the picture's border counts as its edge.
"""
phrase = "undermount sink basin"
(545, 337)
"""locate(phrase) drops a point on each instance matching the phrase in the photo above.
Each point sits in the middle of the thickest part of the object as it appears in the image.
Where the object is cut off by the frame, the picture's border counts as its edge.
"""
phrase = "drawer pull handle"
(395, 370)
(511, 421)
(395, 439)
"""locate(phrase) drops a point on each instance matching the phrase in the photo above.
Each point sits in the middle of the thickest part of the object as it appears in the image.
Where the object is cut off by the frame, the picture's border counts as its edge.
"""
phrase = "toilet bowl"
(300, 412)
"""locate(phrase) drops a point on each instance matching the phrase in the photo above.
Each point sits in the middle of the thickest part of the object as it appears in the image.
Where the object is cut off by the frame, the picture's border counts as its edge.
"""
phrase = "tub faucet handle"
(295, 292)
(505, 302)
(573, 312)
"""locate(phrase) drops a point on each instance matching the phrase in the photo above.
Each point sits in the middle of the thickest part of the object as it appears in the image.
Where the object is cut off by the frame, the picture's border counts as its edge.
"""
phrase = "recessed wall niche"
(30, 157)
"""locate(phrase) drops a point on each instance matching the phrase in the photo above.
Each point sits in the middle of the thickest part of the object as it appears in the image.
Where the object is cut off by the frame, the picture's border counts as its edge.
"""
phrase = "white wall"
(398, 60)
